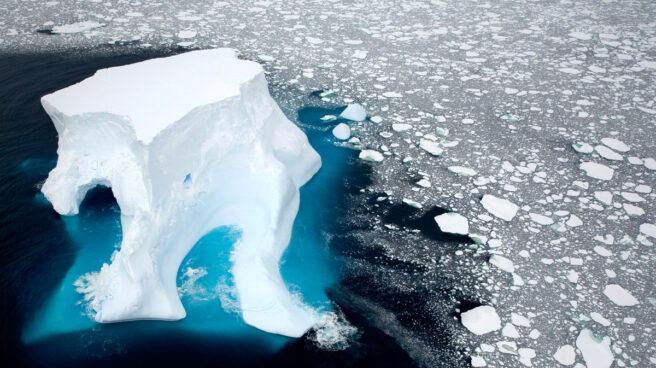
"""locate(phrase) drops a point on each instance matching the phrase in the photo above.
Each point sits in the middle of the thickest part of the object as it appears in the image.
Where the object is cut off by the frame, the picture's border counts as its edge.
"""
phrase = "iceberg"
(187, 144)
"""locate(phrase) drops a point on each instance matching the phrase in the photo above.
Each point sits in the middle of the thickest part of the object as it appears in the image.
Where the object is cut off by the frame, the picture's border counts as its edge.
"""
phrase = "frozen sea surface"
(528, 91)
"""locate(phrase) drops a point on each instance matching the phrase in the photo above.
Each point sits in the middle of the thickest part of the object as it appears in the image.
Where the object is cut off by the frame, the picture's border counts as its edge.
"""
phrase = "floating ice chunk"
(642, 188)
(360, 54)
(525, 356)
(188, 33)
(481, 320)
(371, 155)
(608, 153)
(616, 144)
(461, 170)
(582, 147)
(648, 229)
(632, 210)
(468, 121)
(597, 171)
(507, 347)
(541, 219)
(391, 94)
(453, 223)
(411, 203)
(510, 331)
(499, 207)
(400, 127)
(597, 317)
(650, 163)
(376, 119)
(76, 27)
(574, 221)
(565, 355)
(569, 70)
(580, 36)
(431, 147)
(342, 131)
(477, 361)
(502, 263)
(203, 115)
(442, 132)
(604, 252)
(632, 197)
(620, 296)
(355, 112)
(604, 197)
(595, 350)
(519, 320)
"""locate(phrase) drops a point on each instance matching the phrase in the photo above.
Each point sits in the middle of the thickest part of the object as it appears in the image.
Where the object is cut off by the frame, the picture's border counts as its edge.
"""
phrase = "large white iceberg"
(187, 143)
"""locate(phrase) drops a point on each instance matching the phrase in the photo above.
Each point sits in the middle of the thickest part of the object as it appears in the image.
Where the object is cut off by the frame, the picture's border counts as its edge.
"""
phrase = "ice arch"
(188, 143)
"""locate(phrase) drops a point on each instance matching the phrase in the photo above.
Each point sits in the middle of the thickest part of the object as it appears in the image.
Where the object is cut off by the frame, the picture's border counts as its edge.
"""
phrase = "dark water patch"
(423, 220)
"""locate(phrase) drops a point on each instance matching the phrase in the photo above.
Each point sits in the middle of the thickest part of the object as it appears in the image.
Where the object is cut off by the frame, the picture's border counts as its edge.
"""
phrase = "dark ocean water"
(41, 252)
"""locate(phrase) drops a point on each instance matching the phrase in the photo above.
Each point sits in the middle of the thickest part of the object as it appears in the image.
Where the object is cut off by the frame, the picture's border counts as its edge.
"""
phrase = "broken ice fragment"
(481, 320)
(342, 131)
(565, 355)
(400, 127)
(616, 144)
(453, 223)
(328, 118)
(507, 347)
(502, 263)
(648, 229)
(431, 147)
(354, 112)
(76, 27)
(608, 153)
(620, 296)
(371, 155)
(582, 147)
(597, 171)
(541, 219)
(499, 207)
(595, 350)
(461, 170)
(525, 356)
(510, 331)
(604, 197)
(443, 132)
(411, 203)
(477, 361)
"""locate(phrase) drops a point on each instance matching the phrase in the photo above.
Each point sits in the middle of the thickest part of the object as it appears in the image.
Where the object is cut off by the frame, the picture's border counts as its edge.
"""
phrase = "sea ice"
(620, 296)
(597, 171)
(616, 144)
(453, 223)
(481, 320)
(648, 229)
(342, 131)
(355, 112)
(187, 143)
(502, 263)
(595, 350)
(565, 355)
(371, 155)
(431, 147)
(499, 207)
(77, 27)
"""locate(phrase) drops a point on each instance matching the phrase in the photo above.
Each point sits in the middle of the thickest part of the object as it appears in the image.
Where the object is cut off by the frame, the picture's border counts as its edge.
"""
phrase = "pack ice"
(187, 143)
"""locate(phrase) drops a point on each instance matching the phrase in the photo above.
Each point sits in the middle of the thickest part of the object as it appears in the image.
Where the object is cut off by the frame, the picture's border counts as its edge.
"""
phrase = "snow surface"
(481, 320)
(187, 143)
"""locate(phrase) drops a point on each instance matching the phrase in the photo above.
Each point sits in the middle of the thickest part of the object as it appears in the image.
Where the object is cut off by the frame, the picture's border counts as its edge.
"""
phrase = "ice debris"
(499, 207)
(595, 349)
(619, 295)
(453, 223)
(342, 131)
(481, 320)
(354, 112)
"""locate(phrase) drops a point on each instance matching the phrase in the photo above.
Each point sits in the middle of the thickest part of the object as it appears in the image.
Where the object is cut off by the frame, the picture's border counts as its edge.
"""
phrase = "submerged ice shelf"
(188, 144)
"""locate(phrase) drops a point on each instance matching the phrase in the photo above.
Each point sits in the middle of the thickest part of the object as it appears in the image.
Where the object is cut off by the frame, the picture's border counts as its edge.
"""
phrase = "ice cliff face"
(187, 143)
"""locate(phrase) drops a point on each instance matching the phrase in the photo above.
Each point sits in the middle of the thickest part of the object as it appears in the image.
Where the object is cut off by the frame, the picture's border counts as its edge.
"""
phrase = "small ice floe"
(597, 171)
(400, 127)
(604, 197)
(632, 210)
(648, 229)
(442, 132)
(608, 153)
(595, 349)
(431, 147)
(604, 252)
(565, 355)
(541, 219)
(650, 163)
(499, 207)
(187, 33)
(481, 320)
(582, 147)
(597, 317)
(453, 223)
(616, 144)
(519, 320)
(559, 228)
(569, 70)
(507, 347)
(354, 112)
(376, 119)
(461, 170)
(580, 36)
(328, 118)
(510, 331)
(391, 94)
(76, 27)
(468, 121)
(411, 203)
(525, 356)
(620, 296)
(360, 54)
(371, 155)
(477, 361)
(342, 131)
(574, 221)
(503, 263)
